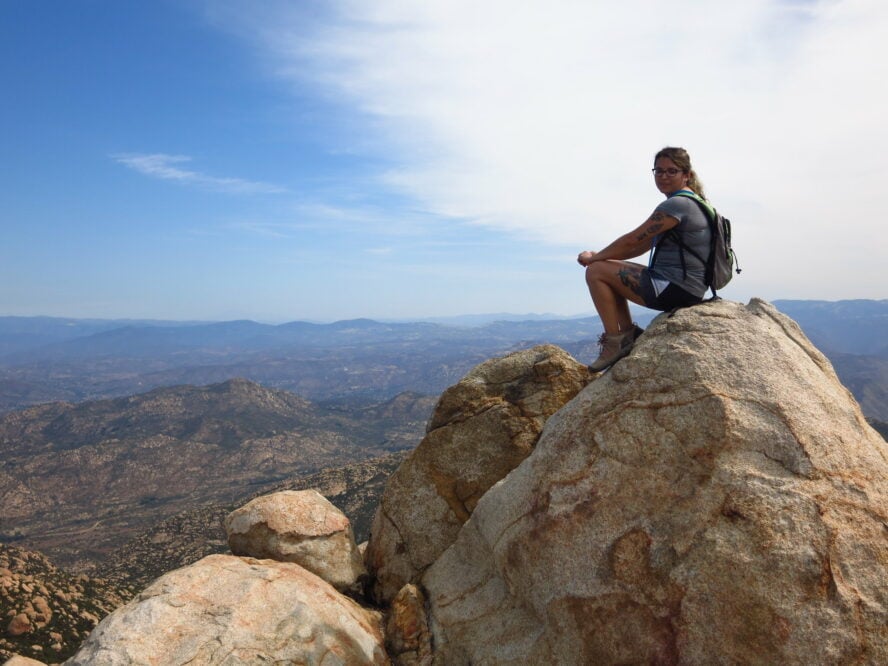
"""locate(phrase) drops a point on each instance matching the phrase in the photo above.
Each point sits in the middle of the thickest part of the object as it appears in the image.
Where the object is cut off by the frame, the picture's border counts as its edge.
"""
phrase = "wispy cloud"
(264, 229)
(168, 167)
(541, 119)
(296, 219)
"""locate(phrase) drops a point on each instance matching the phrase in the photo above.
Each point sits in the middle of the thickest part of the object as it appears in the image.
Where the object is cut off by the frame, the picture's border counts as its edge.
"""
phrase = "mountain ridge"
(365, 359)
(78, 480)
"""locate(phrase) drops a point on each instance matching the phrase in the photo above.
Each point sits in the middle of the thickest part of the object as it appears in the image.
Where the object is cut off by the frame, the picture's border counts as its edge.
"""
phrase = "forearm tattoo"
(653, 229)
(631, 277)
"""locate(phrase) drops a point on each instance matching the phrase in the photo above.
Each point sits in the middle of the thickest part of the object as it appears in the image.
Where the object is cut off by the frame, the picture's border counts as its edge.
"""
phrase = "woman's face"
(668, 176)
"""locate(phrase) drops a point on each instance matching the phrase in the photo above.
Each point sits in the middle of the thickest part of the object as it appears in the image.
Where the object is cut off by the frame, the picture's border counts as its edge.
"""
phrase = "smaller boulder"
(18, 625)
(42, 613)
(299, 526)
(407, 634)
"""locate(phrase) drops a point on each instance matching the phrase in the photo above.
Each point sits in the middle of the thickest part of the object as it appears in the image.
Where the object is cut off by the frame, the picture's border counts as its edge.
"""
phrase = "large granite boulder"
(231, 610)
(716, 498)
(300, 526)
(481, 429)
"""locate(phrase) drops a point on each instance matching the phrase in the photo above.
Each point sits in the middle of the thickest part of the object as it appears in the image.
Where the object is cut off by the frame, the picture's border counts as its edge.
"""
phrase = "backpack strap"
(712, 219)
(705, 205)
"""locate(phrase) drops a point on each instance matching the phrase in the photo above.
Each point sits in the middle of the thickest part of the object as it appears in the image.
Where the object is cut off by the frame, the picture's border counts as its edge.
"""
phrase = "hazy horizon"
(482, 317)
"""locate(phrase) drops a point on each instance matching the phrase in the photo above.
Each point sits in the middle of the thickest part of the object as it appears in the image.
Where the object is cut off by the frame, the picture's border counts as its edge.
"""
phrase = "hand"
(586, 258)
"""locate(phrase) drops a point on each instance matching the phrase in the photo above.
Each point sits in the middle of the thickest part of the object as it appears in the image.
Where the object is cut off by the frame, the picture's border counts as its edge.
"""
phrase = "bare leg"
(612, 285)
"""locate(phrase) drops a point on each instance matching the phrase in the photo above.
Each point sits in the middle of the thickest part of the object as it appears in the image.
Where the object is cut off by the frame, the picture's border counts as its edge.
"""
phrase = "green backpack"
(722, 262)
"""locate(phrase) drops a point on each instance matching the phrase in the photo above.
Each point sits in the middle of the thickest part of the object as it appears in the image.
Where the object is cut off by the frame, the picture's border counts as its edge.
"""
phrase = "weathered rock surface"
(299, 526)
(482, 428)
(407, 636)
(231, 610)
(716, 498)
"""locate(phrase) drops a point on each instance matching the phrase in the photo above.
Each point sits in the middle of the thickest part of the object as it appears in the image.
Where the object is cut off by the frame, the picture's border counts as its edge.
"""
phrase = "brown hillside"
(80, 480)
(192, 534)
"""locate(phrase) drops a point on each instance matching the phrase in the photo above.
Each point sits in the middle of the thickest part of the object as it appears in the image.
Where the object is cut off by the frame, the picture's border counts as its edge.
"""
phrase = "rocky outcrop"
(717, 497)
(299, 526)
(233, 610)
(481, 429)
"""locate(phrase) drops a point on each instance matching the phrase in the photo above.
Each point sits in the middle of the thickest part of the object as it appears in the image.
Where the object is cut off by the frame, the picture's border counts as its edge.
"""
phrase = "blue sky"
(305, 160)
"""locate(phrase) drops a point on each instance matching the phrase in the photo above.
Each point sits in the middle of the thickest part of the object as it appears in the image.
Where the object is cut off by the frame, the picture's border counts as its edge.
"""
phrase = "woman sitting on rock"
(673, 279)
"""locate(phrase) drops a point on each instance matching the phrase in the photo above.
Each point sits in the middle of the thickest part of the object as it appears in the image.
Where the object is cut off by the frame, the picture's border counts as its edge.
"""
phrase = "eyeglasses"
(671, 171)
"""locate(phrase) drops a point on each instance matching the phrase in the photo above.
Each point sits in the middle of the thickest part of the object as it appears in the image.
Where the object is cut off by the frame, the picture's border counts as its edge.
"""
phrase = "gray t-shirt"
(694, 229)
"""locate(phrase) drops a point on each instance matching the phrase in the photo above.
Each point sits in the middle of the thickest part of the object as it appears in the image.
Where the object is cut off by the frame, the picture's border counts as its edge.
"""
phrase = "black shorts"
(670, 298)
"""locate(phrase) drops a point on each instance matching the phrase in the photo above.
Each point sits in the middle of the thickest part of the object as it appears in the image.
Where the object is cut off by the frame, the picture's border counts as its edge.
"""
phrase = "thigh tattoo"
(631, 277)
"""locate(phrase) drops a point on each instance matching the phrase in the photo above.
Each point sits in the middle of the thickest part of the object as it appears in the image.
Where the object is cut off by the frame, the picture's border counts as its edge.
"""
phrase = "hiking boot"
(613, 348)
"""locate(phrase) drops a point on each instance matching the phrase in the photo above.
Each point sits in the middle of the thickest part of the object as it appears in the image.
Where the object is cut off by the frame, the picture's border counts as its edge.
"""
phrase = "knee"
(594, 272)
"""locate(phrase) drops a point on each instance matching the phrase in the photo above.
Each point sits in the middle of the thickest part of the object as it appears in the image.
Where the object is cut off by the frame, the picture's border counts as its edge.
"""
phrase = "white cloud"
(165, 167)
(541, 118)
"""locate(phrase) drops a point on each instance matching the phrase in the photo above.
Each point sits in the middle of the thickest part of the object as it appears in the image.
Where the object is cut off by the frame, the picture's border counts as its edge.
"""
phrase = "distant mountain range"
(148, 341)
(360, 359)
(846, 327)
(46, 359)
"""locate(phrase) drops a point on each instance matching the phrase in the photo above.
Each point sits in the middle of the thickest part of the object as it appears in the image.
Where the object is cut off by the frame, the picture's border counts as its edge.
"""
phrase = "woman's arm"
(633, 244)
